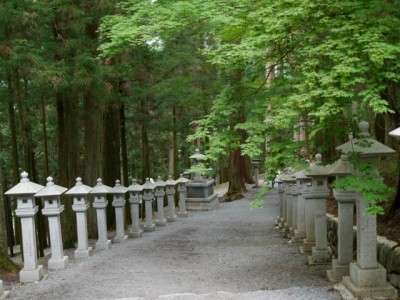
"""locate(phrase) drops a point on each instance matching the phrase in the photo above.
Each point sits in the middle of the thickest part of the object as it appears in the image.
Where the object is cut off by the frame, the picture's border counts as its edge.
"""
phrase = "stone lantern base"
(57, 264)
(83, 253)
(3, 293)
(201, 196)
(31, 275)
(369, 282)
(338, 271)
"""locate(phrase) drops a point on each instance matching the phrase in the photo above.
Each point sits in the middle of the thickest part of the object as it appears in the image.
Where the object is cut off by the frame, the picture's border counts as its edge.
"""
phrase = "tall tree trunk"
(124, 159)
(93, 158)
(68, 158)
(145, 153)
(112, 161)
(236, 176)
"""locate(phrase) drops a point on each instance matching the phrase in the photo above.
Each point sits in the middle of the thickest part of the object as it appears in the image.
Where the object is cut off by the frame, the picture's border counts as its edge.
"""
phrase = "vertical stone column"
(256, 164)
(367, 277)
(148, 197)
(170, 190)
(160, 193)
(53, 209)
(100, 203)
(319, 174)
(289, 211)
(301, 180)
(26, 211)
(285, 196)
(134, 200)
(294, 211)
(80, 206)
(182, 196)
(118, 192)
(309, 212)
(280, 194)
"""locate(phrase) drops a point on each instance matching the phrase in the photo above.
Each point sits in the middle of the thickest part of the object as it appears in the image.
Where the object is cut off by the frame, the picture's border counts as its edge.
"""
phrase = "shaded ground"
(233, 252)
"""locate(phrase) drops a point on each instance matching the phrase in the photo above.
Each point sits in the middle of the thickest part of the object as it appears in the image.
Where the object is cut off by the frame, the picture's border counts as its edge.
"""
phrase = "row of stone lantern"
(26, 192)
(363, 277)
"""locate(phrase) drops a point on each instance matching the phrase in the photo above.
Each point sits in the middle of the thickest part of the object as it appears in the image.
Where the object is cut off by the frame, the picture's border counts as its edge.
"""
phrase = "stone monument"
(135, 198)
(80, 193)
(367, 277)
(26, 211)
(52, 209)
(200, 191)
(170, 190)
(148, 196)
(100, 203)
(118, 192)
(182, 181)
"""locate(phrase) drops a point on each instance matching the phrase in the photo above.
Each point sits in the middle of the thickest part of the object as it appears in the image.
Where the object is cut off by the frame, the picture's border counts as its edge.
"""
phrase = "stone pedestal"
(181, 181)
(26, 211)
(118, 192)
(170, 191)
(289, 211)
(3, 293)
(321, 253)
(284, 210)
(367, 278)
(31, 271)
(119, 205)
(148, 196)
(135, 199)
(294, 212)
(83, 250)
(280, 195)
(80, 206)
(341, 265)
(201, 196)
(161, 221)
(57, 260)
(103, 243)
(309, 241)
(100, 203)
(300, 233)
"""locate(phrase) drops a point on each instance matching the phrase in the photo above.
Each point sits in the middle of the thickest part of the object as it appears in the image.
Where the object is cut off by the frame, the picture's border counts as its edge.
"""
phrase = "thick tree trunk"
(93, 158)
(236, 176)
(145, 151)
(112, 161)
(68, 159)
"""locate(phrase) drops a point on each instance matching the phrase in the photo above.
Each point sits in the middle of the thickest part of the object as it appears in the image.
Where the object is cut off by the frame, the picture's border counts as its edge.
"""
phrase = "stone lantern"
(291, 205)
(3, 293)
(80, 195)
(367, 277)
(135, 198)
(100, 203)
(26, 211)
(197, 157)
(256, 164)
(301, 179)
(118, 192)
(148, 196)
(280, 193)
(170, 189)
(52, 209)
(346, 200)
(200, 191)
(395, 133)
(159, 192)
(319, 174)
(309, 215)
(181, 181)
(285, 196)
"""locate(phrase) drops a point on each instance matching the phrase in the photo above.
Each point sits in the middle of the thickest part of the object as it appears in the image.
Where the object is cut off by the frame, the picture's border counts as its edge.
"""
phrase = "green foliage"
(368, 183)
(259, 201)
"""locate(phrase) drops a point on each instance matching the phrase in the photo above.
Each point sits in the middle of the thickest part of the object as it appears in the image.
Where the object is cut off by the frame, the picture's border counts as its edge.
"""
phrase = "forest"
(128, 89)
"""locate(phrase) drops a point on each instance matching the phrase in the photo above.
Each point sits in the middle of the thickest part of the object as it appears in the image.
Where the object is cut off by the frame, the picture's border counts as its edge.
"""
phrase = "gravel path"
(233, 252)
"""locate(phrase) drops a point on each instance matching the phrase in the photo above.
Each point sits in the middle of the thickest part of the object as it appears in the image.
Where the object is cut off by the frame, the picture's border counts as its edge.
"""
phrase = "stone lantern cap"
(79, 188)
(24, 187)
(159, 183)
(198, 156)
(318, 169)
(170, 181)
(365, 144)
(135, 187)
(118, 188)
(100, 188)
(342, 167)
(182, 179)
(286, 177)
(148, 185)
(395, 133)
(301, 175)
(51, 189)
